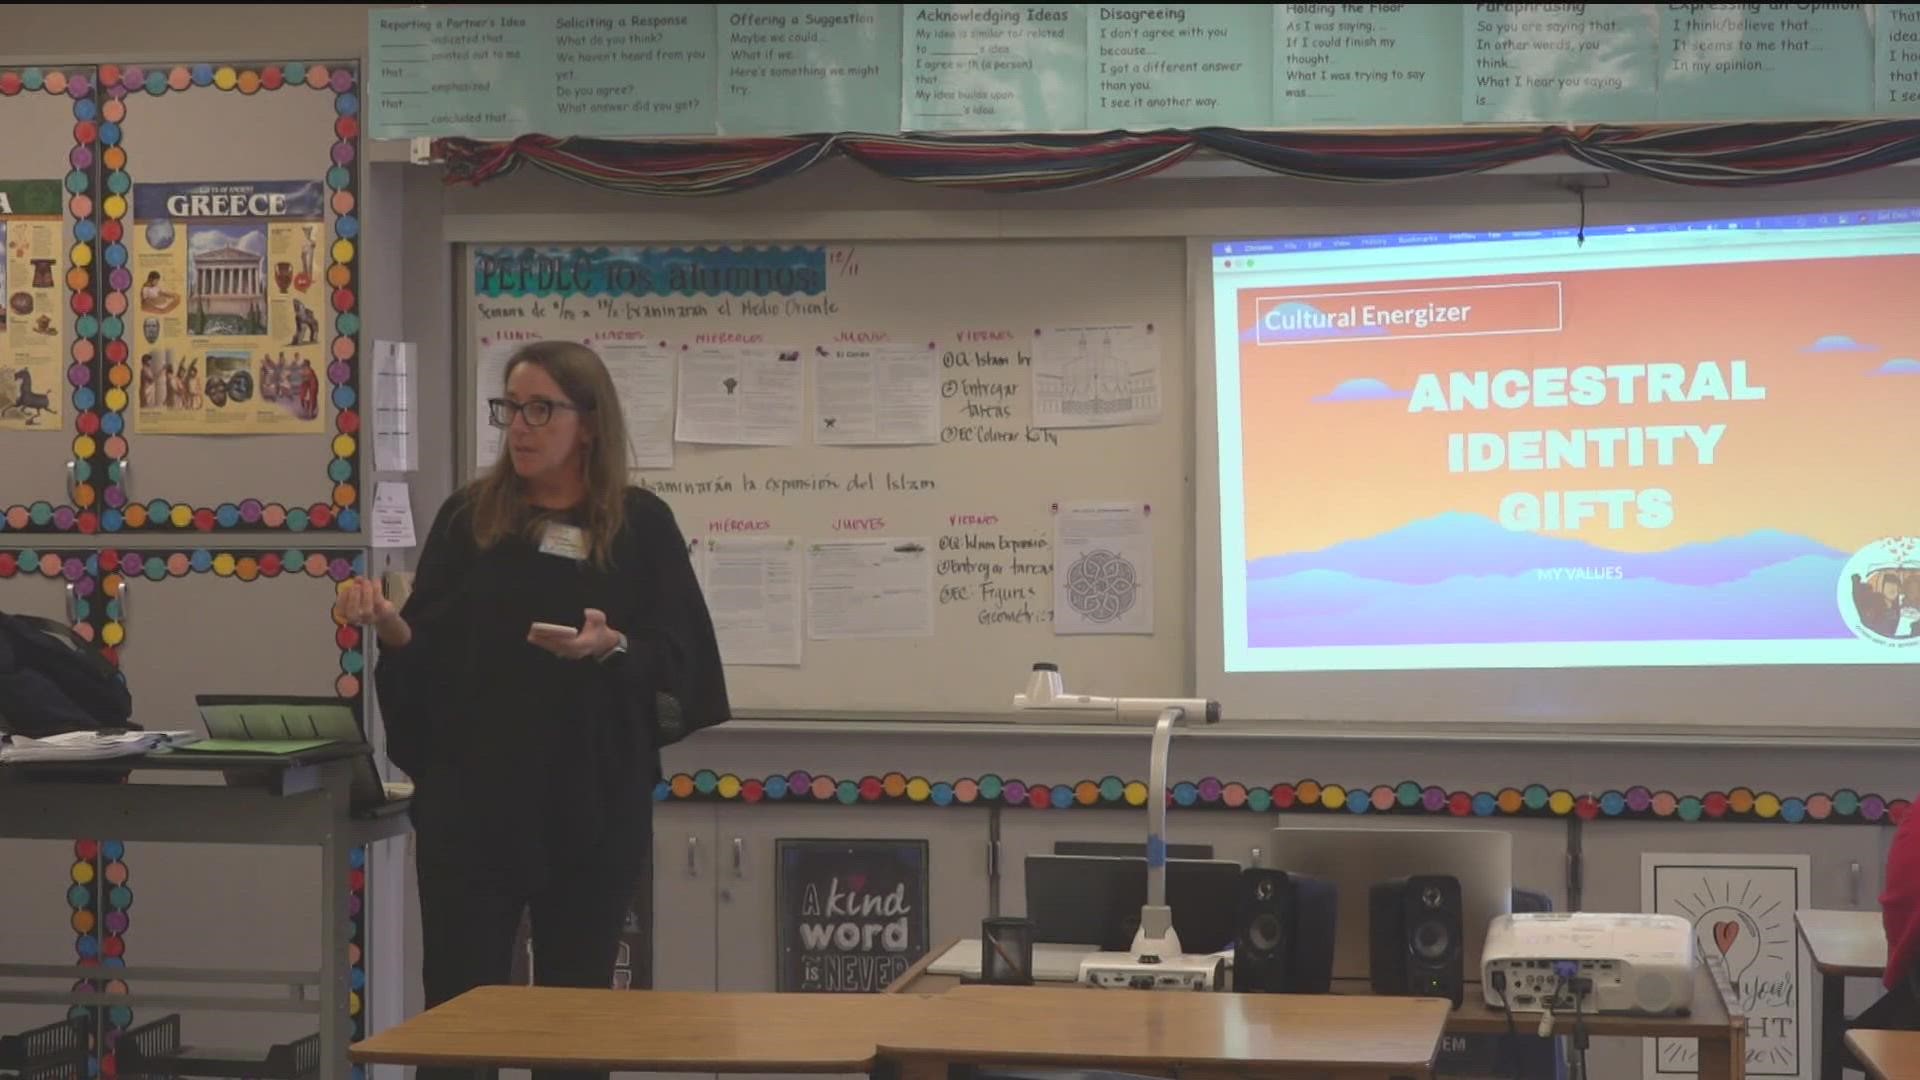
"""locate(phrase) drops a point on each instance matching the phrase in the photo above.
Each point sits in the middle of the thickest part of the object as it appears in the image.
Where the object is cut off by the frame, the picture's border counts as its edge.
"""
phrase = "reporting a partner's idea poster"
(228, 308)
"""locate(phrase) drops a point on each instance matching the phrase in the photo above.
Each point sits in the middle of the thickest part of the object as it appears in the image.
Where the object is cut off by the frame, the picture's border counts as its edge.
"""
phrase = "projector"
(1179, 971)
(1640, 964)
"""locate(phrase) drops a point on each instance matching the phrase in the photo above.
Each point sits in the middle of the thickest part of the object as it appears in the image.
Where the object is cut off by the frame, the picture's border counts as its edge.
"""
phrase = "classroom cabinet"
(221, 621)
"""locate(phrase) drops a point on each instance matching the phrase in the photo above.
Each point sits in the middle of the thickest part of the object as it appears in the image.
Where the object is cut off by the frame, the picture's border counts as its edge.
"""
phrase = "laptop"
(279, 717)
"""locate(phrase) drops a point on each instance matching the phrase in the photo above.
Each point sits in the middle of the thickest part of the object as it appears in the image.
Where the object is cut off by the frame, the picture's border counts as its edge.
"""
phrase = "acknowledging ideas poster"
(228, 304)
(33, 318)
(1654, 453)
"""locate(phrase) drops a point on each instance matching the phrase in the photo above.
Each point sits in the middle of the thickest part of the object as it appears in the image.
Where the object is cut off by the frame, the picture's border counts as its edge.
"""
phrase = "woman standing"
(555, 640)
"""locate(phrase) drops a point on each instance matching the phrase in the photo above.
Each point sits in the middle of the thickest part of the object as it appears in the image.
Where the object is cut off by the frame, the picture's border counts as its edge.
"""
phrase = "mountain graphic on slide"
(1793, 601)
(1460, 544)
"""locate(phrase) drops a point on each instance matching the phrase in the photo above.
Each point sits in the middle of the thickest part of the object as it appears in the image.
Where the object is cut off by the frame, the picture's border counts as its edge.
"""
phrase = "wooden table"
(1718, 1026)
(1843, 944)
(1886, 1055)
(919, 1036)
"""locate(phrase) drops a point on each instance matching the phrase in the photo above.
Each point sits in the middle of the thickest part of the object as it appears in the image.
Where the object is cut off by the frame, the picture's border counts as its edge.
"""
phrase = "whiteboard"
(983, 500)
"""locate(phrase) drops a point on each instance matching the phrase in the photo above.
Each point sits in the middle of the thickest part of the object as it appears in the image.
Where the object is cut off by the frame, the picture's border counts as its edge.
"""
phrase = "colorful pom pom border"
(1303, 796)
(79, 184)
(120, 515)
(120, 567)
(100, 899)
(79, 569)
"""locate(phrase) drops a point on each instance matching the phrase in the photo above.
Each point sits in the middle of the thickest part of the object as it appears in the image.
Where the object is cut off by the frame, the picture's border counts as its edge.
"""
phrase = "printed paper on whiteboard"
(1096, 376)
(489, 380)
(869, 589)
(642, 373)
(392, 515)
(876, 395)
(752, 589)
(741, 395)
(394, 447)
(1102, 569)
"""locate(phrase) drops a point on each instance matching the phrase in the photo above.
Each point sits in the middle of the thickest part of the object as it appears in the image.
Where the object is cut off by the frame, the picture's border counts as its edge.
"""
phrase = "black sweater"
(526, 765)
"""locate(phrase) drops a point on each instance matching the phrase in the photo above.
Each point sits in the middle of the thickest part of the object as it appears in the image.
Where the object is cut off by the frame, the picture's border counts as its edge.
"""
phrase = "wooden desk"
(1886, 1055)
(918, 1036)
(1843, 944)
(640, 1031)
(1186, 1034)
(1720, 1029)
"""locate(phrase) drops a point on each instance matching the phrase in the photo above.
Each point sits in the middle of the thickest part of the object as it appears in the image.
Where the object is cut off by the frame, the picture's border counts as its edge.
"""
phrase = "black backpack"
(52, 681)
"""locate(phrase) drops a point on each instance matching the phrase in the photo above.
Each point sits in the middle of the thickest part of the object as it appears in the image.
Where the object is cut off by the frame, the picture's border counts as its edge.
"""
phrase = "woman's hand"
(592, 641)
(363, 602)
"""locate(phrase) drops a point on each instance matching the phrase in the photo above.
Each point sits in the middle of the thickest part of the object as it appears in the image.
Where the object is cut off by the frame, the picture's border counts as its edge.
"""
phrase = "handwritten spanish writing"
(1559, 62)
(996, 578)
(996, 67)
(985, 395)
(1180, 65)
(1763, 61)
(809, 67)
(890, 482)
(1896, 68)
(1367, 63)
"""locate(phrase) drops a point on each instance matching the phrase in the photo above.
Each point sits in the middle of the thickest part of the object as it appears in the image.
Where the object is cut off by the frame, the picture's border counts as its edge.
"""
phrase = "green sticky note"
(788, 69)
(1896, 59)
(1179, 65)
(479, 72)
(1527, 63)
(631, 69)
(994, 67)
(1383, 64)
(1768, 63)
(272, 747)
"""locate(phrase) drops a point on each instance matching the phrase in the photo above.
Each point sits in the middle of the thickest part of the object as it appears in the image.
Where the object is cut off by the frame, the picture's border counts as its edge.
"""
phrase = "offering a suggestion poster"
(228, 287)
(1741, 908)
(33, 312)
(851, 915)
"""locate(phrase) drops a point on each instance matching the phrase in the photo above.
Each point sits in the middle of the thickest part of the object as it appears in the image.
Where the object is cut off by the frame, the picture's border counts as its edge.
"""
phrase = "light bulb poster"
(1741, 908)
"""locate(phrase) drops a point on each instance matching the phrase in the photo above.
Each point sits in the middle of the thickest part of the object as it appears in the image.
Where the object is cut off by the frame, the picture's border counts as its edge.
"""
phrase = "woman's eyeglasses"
(538, 411)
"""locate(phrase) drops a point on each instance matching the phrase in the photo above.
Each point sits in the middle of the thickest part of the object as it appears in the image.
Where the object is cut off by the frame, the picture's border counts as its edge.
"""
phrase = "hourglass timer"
(1006, 951)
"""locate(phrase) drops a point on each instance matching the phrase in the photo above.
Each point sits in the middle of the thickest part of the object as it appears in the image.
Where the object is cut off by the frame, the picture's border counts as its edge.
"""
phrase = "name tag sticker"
(566, 541)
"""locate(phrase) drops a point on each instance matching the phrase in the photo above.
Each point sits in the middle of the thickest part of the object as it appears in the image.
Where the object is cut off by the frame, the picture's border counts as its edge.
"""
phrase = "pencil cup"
(1006, 951)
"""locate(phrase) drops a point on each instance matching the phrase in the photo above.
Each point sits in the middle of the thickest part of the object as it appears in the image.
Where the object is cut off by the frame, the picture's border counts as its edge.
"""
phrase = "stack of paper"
(88, 745)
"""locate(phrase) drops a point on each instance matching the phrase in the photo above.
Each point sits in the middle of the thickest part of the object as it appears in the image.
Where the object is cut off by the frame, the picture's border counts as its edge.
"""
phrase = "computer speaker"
(1417, 944)
(1283, 935)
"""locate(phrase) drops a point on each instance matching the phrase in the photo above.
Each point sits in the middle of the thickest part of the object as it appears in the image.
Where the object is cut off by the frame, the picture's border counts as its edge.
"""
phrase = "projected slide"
(1680, 444)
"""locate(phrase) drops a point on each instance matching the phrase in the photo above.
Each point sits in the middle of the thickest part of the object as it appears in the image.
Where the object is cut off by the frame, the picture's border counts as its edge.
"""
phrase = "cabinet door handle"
(739, 857)
(126, 477)
(693, 856)
(73, 479)
(1853, 886)
(73, 606)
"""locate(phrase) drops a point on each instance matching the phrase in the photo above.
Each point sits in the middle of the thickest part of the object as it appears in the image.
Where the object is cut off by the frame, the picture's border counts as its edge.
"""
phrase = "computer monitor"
(1356, 858)
(1096, 900)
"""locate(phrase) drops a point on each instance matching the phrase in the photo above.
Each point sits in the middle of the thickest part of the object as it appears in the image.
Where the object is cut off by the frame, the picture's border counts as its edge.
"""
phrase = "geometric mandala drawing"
(1102, 586)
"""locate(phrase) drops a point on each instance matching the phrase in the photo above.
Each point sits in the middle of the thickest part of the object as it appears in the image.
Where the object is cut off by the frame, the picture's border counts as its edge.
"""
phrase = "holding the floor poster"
(228, 294)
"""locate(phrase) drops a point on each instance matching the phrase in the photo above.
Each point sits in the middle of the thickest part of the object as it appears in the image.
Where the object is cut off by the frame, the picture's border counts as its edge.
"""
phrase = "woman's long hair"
(500, 507)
